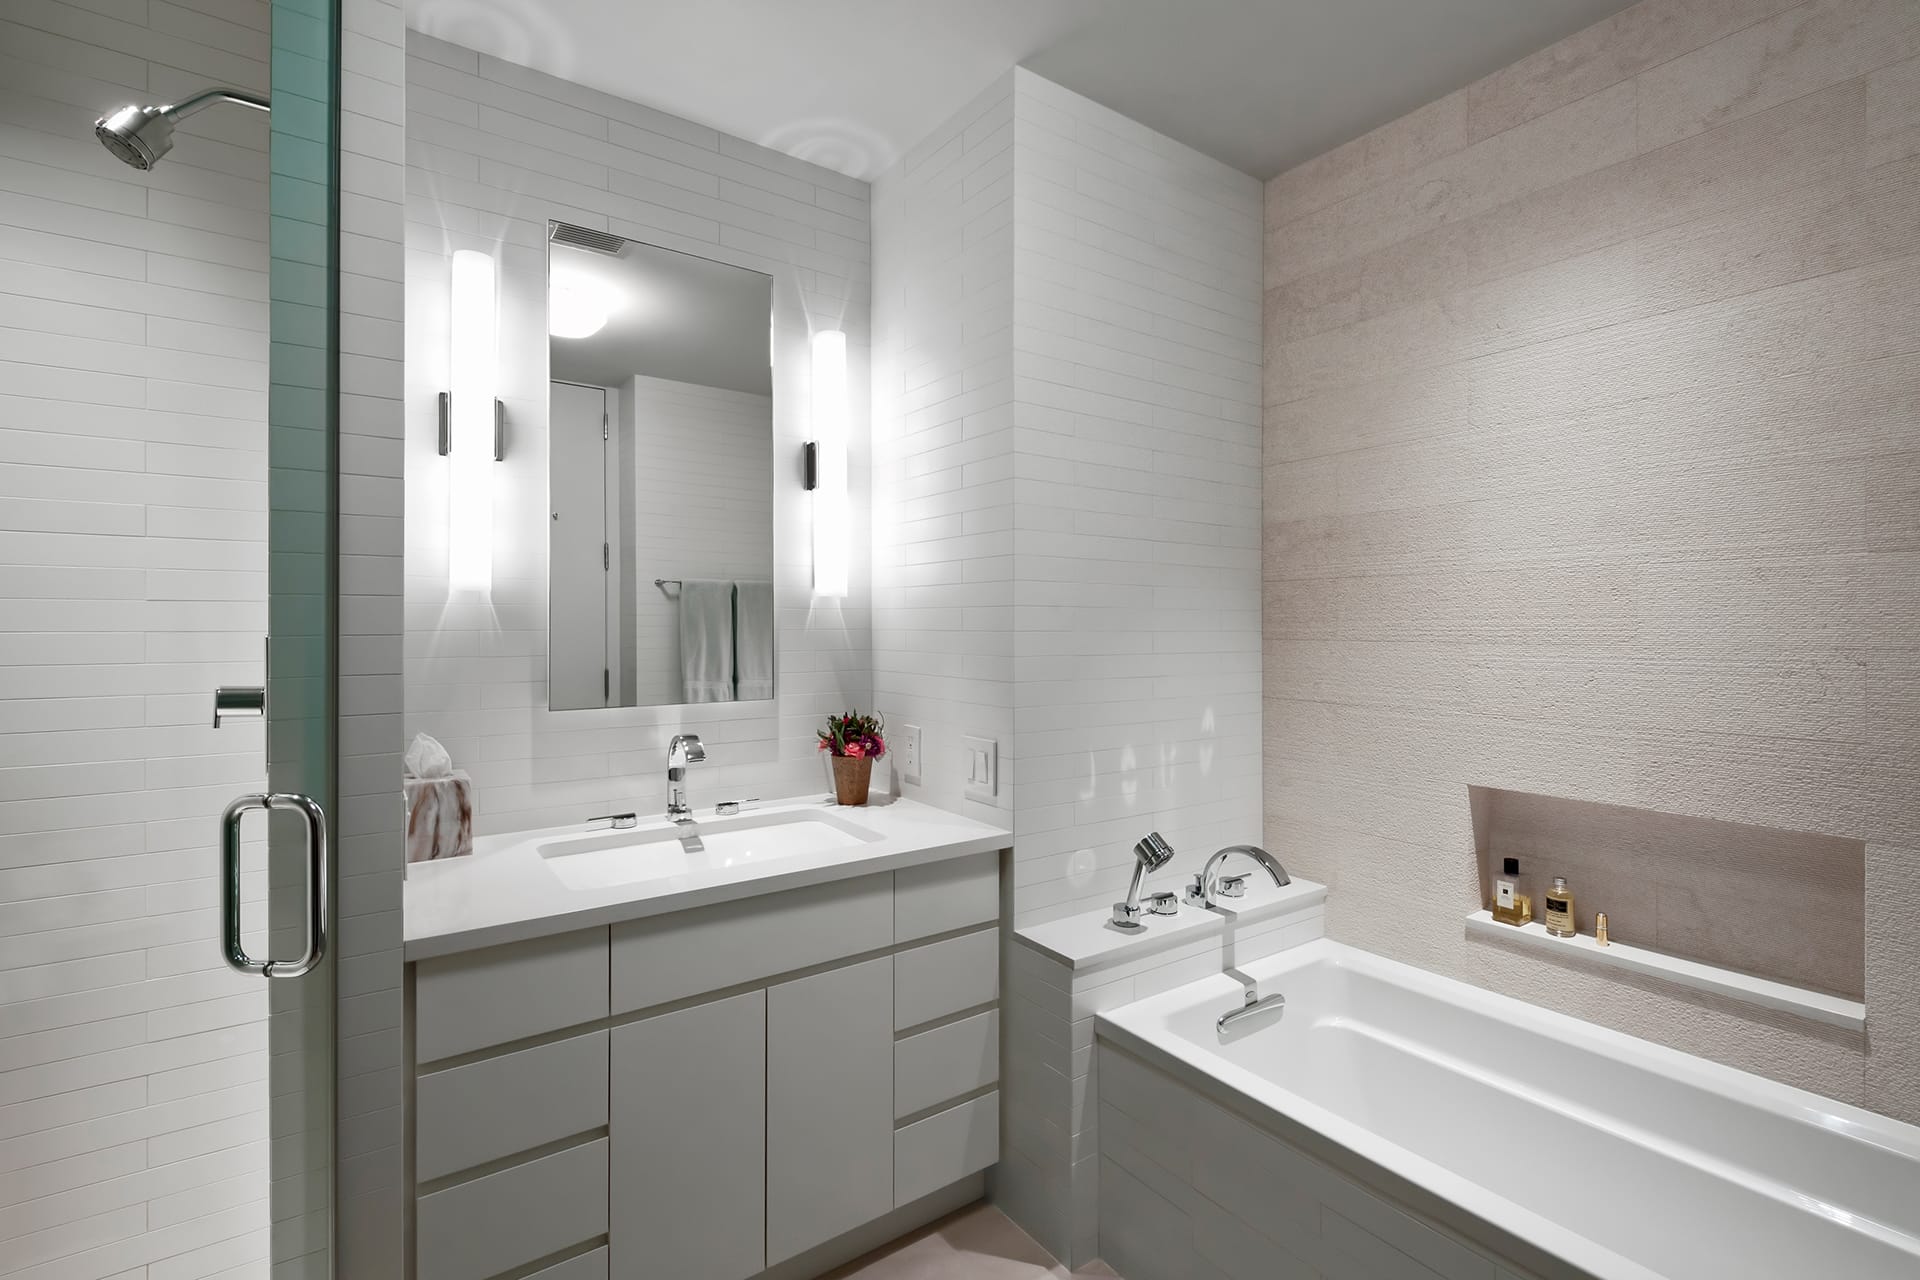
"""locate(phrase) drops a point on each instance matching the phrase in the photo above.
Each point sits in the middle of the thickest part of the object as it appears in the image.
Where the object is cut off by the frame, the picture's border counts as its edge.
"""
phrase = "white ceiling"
(670, 315)
(850, 84)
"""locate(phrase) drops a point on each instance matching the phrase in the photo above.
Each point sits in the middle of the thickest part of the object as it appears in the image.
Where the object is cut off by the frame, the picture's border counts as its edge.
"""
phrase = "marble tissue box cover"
(439, 817)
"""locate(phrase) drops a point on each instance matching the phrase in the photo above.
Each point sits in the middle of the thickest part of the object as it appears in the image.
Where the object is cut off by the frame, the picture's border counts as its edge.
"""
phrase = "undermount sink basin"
(608, 858)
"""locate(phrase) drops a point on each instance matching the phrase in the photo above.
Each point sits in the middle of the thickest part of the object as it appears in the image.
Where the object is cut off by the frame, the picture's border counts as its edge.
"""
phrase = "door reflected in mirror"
(660, 476)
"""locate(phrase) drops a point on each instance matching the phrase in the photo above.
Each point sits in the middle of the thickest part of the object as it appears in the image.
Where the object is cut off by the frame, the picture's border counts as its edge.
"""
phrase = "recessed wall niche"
(1785, 905)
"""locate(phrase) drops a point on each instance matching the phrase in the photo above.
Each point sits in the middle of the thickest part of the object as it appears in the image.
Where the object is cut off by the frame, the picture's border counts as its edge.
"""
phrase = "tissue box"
(439, 817)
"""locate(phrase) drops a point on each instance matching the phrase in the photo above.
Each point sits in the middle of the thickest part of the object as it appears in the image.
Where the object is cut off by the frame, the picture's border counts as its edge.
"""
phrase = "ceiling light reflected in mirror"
(578, 308)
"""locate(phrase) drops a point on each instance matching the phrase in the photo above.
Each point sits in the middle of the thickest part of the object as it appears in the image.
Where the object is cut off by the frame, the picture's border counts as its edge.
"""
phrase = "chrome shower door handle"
(232, 949)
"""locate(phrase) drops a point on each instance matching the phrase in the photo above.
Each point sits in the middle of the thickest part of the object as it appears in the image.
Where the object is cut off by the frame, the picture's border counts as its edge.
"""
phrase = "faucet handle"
(1127, 914)
(1196, 890)
(1232, 887)
(617, 821)
(1163, 904)
(727, 808)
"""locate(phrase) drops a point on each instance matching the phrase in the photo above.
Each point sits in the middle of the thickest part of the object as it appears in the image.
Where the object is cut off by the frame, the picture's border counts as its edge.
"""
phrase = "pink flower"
(855, 751)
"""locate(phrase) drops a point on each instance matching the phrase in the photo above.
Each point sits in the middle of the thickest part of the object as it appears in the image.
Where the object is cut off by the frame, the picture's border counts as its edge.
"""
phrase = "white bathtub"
(1543, 1144)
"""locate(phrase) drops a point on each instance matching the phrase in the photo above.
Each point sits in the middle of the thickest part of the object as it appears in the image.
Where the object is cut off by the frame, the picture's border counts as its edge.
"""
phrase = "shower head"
(137, 135)
(1150, 854)
(1153, 851)
(141, 135)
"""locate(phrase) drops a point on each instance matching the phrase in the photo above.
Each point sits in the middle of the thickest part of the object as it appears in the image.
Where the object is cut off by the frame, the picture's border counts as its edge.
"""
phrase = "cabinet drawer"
(946, 1147)
(516, 1102)
(687, 953)
(943, 896)
(483, 998)
(942, 978)
(585, 1266)
(508, 1219)
(945, 1063)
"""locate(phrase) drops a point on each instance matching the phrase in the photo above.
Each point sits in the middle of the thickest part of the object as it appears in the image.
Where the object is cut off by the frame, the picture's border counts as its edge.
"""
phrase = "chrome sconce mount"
(445, 444)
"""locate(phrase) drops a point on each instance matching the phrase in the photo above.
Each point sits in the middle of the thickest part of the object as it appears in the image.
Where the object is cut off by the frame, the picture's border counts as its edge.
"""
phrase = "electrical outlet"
(909, 753)
(982, 756)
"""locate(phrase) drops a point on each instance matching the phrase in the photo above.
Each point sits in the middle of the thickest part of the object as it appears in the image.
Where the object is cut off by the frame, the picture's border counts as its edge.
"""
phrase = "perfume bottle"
(1559, 913)
(1510, 906)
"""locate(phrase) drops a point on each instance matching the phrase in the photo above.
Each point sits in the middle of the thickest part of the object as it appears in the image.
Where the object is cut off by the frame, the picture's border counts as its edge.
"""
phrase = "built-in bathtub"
(1389, 1118)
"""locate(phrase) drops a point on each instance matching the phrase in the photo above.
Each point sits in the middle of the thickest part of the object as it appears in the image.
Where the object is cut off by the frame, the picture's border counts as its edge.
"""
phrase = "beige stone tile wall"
(1592, 422)
(1784, 905)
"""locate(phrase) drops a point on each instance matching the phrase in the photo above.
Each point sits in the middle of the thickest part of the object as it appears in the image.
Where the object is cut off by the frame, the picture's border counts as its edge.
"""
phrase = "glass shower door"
(303, 593)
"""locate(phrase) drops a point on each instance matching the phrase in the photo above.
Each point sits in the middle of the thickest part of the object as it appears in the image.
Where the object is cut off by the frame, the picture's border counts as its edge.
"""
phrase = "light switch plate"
(982, 758)
(910, 753)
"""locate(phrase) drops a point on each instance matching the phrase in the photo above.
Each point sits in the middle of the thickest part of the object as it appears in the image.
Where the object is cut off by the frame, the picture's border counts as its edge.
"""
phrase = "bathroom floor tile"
(977, 1243)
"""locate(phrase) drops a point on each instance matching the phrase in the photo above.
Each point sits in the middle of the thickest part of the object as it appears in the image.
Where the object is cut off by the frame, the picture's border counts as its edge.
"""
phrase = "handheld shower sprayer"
(141, 135)
(1150, 854)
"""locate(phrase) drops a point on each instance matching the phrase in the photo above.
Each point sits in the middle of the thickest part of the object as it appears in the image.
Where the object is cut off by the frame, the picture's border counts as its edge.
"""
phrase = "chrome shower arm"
(207, 97)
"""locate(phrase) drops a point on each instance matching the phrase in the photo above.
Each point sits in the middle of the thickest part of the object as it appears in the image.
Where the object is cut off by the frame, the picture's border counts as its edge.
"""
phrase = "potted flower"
(854, 742)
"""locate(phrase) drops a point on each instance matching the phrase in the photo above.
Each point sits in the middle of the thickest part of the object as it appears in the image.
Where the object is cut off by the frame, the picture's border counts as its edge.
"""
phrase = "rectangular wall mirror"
(660, 476)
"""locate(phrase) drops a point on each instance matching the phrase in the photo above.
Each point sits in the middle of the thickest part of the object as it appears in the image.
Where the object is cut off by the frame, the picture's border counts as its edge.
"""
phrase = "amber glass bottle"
(1559, 913)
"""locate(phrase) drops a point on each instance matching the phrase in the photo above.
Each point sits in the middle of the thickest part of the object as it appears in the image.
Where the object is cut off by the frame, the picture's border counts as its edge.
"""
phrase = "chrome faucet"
(1206, 890)
(685, 749)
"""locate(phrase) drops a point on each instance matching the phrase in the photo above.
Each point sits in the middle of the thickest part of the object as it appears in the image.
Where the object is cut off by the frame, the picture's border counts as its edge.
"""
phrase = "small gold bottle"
(1559, 913)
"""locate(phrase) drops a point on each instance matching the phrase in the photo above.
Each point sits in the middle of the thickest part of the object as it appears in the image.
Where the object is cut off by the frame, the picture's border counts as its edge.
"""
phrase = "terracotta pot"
(851, 778)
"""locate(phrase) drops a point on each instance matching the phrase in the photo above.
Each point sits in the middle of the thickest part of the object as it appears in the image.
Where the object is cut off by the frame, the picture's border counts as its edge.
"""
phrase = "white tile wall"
(133, 382)
(1067, 485)
(369, 1104)
(493, 151)
(1067, 516)
(1136, 515)
(943, 625)
(714, 520)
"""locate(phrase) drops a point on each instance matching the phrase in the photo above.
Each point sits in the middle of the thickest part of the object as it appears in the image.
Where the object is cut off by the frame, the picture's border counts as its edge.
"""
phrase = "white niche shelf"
(1779, 996)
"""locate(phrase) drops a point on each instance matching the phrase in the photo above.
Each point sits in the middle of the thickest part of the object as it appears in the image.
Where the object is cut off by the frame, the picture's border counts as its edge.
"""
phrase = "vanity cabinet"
(710, 1093)
(689, 1134)
(829, 1105)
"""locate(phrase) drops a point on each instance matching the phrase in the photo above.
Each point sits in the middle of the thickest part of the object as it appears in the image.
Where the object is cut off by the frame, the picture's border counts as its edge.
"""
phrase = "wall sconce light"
(472, 423)
(828, 470)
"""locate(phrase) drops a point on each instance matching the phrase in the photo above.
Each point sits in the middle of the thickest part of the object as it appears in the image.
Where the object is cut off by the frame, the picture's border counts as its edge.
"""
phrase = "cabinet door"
(829, 1105)
(689, 1135)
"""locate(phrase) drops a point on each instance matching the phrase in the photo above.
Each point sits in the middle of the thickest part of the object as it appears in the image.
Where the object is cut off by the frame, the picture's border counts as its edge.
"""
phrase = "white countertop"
(1090, 941)
(506, 892)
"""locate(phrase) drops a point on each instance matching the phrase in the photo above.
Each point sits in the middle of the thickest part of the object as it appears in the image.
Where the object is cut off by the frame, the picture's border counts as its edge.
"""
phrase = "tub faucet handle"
(1232, 887)
(1163, 904)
